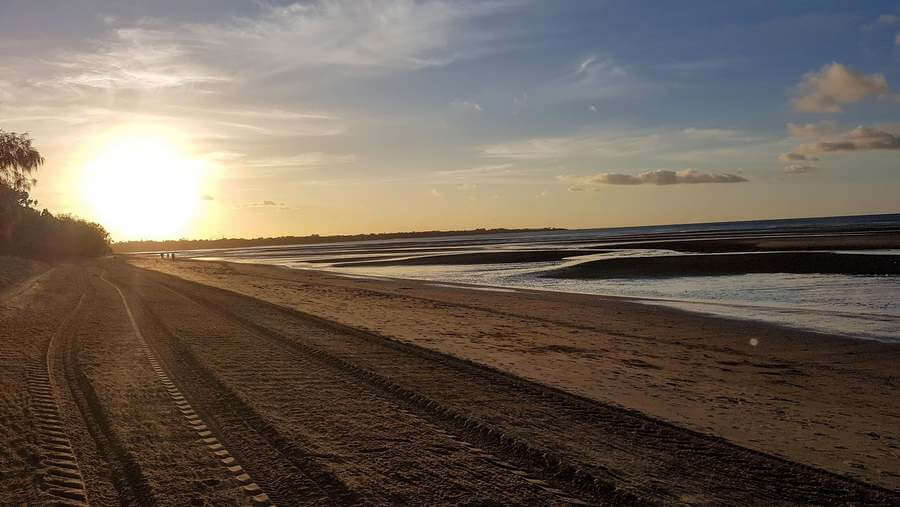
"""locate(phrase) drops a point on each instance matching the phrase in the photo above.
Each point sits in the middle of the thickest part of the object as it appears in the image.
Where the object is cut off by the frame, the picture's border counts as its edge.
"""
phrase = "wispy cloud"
(718, 134)
(592, 78)
(401, 34)
(686, 142)
(240, 166)
(507, 173)
(819, 129)
(493, 169)
(136, 58)
(532, 149)
(465, 105)
(201, 66)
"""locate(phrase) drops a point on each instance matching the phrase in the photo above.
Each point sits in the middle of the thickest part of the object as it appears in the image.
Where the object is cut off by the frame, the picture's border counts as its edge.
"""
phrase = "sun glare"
(143, 187)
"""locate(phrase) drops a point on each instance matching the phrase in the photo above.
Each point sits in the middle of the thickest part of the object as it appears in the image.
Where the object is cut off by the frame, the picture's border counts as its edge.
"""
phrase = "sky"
(232, 118)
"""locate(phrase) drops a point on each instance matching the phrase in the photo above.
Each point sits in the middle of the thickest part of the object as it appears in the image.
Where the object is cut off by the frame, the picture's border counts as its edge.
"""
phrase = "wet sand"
(472, 258)
(826, 401)
(760, 242)
(732, 264)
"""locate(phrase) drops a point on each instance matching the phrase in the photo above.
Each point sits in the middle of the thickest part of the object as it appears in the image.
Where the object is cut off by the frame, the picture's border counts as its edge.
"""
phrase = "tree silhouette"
(23, 230)
(18, 160)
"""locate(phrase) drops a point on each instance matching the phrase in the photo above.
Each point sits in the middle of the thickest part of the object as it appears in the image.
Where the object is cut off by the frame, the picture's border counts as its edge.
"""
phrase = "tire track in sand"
(214, 446)
(712, 471)
(60, 474)
(419, 407)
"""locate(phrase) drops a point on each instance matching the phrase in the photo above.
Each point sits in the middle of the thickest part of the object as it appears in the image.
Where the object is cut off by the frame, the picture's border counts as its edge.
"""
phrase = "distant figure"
(173, 256)
(162, 255)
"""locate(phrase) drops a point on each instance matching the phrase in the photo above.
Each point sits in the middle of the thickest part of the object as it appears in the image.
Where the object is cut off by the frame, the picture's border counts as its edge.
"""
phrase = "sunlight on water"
(851, 305)
(858, 306)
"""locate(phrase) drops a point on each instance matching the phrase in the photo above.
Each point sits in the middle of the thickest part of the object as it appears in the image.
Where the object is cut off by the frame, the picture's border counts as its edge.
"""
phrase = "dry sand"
(14, 271)
(822, 400)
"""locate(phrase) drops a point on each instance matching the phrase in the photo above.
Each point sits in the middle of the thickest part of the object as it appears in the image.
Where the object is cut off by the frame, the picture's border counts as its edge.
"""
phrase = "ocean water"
(863, 307)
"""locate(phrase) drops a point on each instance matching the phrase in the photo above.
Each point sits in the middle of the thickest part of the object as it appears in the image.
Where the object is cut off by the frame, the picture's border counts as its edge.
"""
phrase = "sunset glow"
(143, 186)
(344, 117)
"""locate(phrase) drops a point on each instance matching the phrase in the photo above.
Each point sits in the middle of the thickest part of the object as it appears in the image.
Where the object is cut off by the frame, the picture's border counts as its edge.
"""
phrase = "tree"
(23, 231)
(18, 160)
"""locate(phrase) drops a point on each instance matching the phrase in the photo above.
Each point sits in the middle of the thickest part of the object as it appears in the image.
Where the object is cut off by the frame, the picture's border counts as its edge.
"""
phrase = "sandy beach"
(449, 253)
(822, 400)
(193, 382)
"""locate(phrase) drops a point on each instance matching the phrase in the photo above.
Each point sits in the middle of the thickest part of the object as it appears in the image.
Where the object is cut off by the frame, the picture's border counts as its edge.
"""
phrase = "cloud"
(465, 105)
(794, 157)
(377, 34)
(590, 79)
(435, 193)
(585, 64)
(819, 129)
(207, 197)
(859, 139)
(492, 169)
(133, 58)
(232, 70)
(505, 173)
(547, 148)
(651, 177)
(897, 39)
(689, 142)
(800, 169)
(266, 204)
(825, 91)
(715, 134)
(298, 161)
(531, 149)
(888, 19)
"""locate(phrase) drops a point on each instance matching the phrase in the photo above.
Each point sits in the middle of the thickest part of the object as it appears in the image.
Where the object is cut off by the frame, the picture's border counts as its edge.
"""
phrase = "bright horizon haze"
(221, 118)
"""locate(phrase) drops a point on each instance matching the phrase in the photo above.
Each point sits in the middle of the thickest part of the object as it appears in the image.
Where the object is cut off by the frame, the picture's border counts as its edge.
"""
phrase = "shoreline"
(789, 315)
(668, 303)
(810, 397)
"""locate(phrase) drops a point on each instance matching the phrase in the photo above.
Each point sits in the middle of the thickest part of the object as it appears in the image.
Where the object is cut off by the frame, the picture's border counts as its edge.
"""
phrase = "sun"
(143, 187)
